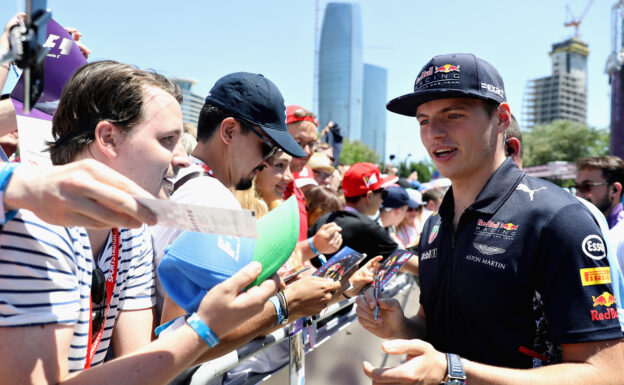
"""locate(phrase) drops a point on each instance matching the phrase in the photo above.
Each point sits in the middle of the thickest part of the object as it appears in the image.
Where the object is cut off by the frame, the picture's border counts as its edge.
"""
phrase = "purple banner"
(63, 59)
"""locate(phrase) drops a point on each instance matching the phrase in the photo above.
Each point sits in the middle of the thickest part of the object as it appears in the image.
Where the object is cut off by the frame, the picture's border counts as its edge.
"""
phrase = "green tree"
(563, 140)
(356, 151)
(423, 168)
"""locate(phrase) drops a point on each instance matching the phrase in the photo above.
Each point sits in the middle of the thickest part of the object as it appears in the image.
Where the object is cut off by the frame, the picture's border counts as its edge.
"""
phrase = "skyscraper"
(192, 103)
(340, 68)
(615, 69)
(563, 95)
(374, 100)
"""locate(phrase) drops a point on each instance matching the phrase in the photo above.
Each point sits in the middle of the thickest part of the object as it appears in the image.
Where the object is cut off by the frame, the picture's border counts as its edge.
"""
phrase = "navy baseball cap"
(255, 99)
(396, 197)
(457, 75)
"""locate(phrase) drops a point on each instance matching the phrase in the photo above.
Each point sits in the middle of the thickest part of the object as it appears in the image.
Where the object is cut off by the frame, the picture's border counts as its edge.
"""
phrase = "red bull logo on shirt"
(605, 299)
(498, 229)
(488, 224)
(447, 68)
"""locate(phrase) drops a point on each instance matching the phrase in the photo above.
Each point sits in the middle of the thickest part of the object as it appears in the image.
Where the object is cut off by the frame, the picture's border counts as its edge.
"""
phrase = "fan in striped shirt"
(66, 293)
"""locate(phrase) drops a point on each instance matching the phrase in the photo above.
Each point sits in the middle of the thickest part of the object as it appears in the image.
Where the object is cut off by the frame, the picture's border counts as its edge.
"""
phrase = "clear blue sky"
(205, 40)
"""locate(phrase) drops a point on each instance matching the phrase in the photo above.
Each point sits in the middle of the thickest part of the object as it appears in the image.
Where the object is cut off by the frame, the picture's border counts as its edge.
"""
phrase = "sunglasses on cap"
(98, 299)
(586, 186)
(268, 148)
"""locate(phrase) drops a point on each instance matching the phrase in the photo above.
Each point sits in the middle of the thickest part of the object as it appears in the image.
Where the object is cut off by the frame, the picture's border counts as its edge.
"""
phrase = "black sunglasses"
(268, 148)
(98, 299)
(586, 186)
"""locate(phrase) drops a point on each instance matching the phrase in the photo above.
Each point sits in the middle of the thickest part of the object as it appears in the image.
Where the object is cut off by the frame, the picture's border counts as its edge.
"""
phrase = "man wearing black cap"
(241, 126)
(500, 242)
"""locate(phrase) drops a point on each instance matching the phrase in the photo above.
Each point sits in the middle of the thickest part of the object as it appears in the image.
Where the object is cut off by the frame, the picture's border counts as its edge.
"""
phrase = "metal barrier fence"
(304, 335)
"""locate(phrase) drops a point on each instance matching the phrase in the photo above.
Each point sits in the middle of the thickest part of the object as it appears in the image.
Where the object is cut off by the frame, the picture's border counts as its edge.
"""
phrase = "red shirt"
(303, 214)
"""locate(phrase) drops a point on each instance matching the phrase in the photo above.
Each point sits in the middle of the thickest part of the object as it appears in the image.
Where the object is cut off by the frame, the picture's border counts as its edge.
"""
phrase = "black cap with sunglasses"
(256, 101)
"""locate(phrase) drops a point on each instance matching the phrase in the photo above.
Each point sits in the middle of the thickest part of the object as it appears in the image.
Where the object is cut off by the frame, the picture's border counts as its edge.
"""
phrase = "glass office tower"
(340, 69)
(375, 96)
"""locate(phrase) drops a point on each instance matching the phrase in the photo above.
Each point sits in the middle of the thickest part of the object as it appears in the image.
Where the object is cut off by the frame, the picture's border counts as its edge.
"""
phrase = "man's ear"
(228, 128)
(617, 188)
(503, 115)
(107, 138)
(512, 147)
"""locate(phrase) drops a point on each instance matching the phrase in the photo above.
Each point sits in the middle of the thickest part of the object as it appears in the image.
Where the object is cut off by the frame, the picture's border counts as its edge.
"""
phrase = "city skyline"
(277, 39)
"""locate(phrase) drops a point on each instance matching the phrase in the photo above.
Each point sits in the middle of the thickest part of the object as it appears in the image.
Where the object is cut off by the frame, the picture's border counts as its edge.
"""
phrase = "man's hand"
(362, 277)
(328, 239)
(84, 193)
(225, 307)
(390, 321)
(424, 365)
(76, 35)
(309, 296)
(15, 20)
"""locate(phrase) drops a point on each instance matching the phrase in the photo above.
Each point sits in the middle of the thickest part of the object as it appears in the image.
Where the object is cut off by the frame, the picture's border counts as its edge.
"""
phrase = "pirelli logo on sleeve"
(595, 276)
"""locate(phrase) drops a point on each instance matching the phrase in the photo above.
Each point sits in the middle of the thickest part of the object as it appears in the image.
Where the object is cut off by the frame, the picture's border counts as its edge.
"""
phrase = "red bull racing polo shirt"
(524, 272)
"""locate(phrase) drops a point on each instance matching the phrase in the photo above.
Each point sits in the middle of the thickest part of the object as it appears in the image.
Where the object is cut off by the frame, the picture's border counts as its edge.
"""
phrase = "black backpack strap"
(188, 177)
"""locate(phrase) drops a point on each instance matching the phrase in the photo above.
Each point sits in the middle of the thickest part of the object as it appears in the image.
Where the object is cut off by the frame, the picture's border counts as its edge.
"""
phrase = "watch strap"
(455, 369)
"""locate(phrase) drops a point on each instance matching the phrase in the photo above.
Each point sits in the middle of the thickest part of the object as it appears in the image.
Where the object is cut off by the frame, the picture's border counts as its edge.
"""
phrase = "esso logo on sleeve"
(593, 246)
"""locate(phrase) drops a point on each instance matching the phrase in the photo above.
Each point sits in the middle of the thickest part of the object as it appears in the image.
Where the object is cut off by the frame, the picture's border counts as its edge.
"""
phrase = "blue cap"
(255, 99)
(457, 75)
(396, 197)
(196, 262)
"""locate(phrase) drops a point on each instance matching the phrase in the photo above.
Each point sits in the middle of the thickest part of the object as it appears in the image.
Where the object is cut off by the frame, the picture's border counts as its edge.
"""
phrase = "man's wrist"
(312, 247)
(200, 327)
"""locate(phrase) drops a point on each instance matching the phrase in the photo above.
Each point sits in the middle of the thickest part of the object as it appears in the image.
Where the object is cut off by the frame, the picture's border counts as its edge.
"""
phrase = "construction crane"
(576, 22)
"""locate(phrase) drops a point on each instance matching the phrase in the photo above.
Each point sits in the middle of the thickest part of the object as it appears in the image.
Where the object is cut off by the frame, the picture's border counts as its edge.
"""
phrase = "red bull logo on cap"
(509, 226)
(424, 74)
(447, 68)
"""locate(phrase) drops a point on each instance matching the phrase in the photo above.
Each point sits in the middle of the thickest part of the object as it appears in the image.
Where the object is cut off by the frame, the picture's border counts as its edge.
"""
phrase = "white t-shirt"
(45, 278)
(201, 191)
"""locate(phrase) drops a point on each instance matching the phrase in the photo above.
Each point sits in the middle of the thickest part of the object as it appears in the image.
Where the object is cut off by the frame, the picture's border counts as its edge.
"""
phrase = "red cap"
(293, 110)
(362, 178)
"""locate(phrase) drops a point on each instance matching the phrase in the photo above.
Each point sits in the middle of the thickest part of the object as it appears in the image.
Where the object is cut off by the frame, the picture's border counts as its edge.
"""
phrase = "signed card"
(202, 219)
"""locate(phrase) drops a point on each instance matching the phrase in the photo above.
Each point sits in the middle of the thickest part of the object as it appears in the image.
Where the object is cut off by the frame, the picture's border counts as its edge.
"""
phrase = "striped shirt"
(45, 278)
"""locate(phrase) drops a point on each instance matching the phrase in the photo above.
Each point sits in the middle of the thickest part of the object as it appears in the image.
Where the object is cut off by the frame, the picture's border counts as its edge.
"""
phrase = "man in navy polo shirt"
(500, 242)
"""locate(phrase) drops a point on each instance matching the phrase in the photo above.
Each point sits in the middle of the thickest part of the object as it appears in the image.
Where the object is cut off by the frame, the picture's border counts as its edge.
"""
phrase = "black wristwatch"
(455, 370)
